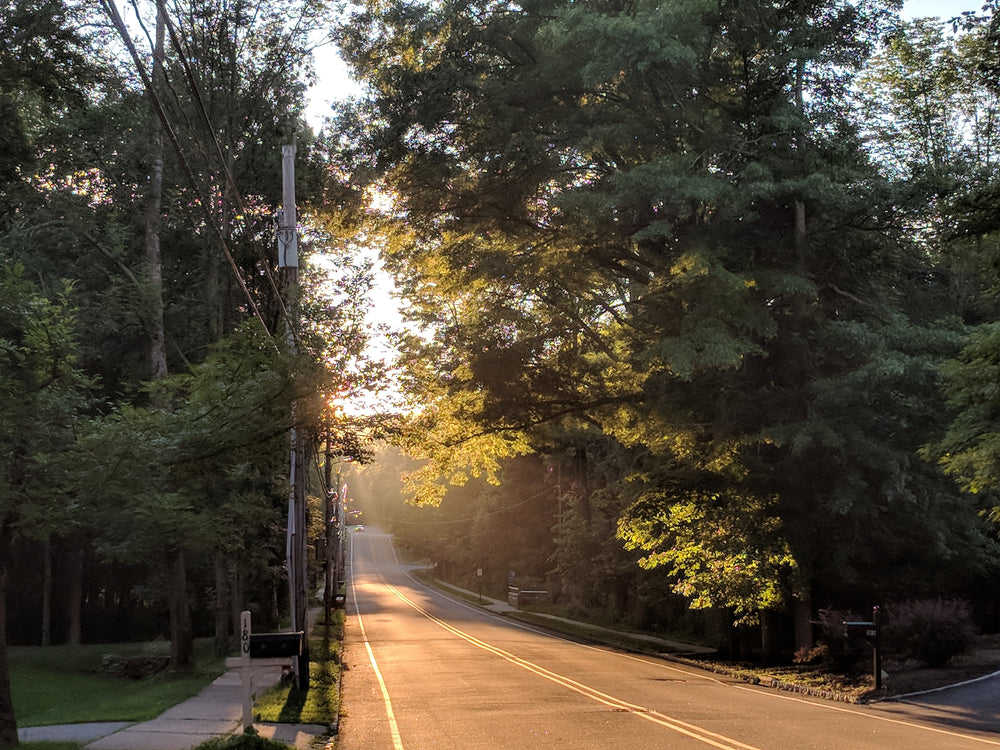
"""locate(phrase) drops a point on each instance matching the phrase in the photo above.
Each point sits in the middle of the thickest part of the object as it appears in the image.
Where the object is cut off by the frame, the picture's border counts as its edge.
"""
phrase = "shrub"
(816, 655)
(249, 740)
(932, 631)
(835, 648)
(133, 667)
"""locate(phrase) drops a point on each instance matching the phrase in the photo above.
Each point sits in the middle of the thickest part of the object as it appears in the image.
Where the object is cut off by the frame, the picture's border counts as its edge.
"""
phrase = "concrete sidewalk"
(215, 711)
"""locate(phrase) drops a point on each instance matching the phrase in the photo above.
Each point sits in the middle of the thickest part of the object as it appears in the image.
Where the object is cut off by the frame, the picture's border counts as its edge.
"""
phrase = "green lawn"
(319, 704)
(60, 684)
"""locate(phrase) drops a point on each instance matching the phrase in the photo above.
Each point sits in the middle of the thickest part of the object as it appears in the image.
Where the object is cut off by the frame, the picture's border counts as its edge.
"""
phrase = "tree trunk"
(800, 206)
(802, 616)
(221, 608)
(47, 593)
(8, 722)
(181, 633)
(235, 597)
(216, 297)
(154, 207)
(275, 613)
(74, 596)
(768, 637)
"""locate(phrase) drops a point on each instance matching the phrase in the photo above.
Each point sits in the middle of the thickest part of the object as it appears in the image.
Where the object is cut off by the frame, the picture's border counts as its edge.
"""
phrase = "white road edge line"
(397, 741)
(873, 716)
(682, 727)
(778, 696)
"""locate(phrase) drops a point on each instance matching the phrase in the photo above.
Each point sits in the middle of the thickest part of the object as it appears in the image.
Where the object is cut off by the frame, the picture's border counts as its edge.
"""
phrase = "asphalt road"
(426, 671)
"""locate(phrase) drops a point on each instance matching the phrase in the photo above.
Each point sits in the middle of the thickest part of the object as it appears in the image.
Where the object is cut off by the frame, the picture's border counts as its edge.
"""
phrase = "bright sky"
(942, 8)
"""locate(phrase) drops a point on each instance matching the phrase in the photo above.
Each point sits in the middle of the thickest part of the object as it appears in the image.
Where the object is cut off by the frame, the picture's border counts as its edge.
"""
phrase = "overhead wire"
(223, 162)
(176, 41)
(111, 10)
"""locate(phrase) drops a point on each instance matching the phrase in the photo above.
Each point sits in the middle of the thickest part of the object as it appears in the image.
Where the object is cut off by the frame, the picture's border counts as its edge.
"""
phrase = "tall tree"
(225, 87)
(43, 395)
(971, 236)
(659, 220)
(154, 205)
(47, 66)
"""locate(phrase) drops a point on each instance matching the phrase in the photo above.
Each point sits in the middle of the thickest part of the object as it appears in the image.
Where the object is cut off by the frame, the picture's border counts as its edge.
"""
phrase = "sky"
(942, 8)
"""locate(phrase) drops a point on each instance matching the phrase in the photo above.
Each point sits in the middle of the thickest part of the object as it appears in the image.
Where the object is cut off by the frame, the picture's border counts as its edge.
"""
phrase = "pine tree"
(659, 220)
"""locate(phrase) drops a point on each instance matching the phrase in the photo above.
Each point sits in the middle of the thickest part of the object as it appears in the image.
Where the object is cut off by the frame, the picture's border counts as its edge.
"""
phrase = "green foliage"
(43, 397)
(932, 631)
(970, 450)
(925, 106)
(47, 60)
(725, 551)
(208, 452)
(249, 740)
(660, 224)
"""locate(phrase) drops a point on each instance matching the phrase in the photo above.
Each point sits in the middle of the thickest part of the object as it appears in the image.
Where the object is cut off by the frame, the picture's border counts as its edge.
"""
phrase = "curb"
(746, 675)
(963, 683)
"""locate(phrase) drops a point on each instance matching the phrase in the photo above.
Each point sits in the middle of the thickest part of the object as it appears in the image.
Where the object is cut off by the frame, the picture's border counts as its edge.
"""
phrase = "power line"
(112, 11)
(271, 75)
(223, 163)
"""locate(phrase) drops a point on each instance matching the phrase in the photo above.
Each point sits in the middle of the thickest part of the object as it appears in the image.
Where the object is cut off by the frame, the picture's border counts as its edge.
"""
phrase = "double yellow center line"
(682, 727)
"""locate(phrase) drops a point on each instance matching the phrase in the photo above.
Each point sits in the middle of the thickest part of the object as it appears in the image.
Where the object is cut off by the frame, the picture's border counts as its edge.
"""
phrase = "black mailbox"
(868, 629)
(271, 645)
(861, 629)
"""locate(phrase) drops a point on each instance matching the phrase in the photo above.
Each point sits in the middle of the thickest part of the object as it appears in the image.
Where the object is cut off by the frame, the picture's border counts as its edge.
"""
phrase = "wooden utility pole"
(328, 511)
(339, 532)
(295, 549)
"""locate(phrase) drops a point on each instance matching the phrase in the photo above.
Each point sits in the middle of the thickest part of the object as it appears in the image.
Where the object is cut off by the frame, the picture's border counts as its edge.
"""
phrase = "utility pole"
(331, 504)
(295, 547)
(340, 532)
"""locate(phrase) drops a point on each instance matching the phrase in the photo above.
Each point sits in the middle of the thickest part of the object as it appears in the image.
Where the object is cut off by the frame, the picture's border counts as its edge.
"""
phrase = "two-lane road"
(426, 671)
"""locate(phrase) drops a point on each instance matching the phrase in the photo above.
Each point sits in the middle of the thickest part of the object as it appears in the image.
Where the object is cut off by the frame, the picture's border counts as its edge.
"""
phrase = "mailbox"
(273, 645)
(861, 629)
(868, 629)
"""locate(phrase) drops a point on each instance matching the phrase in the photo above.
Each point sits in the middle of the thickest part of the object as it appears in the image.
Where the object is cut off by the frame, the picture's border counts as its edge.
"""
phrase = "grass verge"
(811, 680)
(62, 684)
(249, 740)
(587, 632)
(320, 704)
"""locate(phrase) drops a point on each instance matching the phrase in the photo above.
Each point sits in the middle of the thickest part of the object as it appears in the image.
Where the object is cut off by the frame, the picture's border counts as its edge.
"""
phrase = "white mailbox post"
(246, 665)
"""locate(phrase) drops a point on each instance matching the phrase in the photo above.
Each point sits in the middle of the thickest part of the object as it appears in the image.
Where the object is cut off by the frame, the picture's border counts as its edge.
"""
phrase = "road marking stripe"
(397, 742)
(653, 715)
(877, 717)
(826, 705)
(699, 733)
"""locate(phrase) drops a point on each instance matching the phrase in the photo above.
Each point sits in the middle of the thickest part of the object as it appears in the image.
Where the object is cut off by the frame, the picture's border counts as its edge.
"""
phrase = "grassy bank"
(64, 684)
(320, 704)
